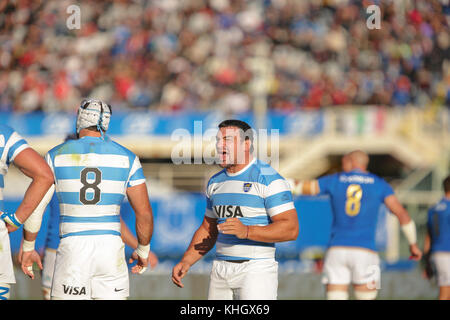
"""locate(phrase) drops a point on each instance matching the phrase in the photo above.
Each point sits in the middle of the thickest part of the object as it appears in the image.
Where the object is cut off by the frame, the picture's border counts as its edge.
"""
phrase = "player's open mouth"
(224, 156)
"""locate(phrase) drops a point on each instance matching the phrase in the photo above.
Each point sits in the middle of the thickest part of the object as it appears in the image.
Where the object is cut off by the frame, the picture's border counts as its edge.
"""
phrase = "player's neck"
(89, 133)
(360, 169)
(447, 195)
(235, 168)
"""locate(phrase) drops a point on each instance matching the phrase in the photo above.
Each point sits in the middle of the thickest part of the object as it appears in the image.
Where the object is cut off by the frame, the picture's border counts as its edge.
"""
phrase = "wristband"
(11, 219)
(409, 230)
(142, 251)
(28, 245)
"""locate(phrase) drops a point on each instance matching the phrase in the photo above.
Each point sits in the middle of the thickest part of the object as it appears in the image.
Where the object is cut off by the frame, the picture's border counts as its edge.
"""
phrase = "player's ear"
(248, 146)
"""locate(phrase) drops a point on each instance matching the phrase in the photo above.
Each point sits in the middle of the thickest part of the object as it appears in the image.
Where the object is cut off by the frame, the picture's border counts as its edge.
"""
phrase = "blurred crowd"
(171, 55)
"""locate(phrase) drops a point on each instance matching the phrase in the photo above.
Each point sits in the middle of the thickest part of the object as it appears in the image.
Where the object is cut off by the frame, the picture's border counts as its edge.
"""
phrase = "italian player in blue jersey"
(249, 208)
(14, 149)
(437, 241)
(356, 196)
(92, 176)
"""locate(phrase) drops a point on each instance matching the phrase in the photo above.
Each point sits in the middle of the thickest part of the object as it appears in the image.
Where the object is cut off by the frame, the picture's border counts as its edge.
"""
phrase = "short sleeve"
(386, 190)
(14, 145)
(209, 209)
(136, 174)
(278, 197)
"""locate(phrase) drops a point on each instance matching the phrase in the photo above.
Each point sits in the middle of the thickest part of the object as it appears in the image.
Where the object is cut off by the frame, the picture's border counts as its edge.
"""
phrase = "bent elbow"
(47, 176)
(293, 235)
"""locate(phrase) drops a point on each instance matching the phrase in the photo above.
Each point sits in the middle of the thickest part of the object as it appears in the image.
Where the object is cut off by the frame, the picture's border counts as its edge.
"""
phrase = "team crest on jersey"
(247, 186)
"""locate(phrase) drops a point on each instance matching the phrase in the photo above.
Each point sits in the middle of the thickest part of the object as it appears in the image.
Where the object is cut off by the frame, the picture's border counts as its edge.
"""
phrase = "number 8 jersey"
(91, 178)
(355, 198)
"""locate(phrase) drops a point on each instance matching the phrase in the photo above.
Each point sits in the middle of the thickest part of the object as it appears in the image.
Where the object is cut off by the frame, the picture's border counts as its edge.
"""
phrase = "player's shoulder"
(120, 148)
(336, 177)
(264, 173)
(380, 181)
(441, 205)
(217, 176)
(60, 147)
(6, 131)
(72, 146)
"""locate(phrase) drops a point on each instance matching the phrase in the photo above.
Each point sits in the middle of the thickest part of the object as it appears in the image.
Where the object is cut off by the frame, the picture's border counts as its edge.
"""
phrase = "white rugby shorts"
(345, 265)
(90, 267)
(48, 265)
(6, 264)
(441, 261)
(252, 280)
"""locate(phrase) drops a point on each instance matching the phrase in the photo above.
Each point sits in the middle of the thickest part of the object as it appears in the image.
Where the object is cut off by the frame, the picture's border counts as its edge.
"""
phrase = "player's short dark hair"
(446, 184)
(247, 130)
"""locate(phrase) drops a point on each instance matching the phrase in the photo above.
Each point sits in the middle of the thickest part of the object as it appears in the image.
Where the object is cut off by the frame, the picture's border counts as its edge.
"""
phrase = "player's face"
(230, 146)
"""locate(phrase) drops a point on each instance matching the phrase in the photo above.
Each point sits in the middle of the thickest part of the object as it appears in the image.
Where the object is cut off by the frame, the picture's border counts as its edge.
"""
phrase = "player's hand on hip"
(27, 261)
(178, 272)
(416, 253)
(233, 226)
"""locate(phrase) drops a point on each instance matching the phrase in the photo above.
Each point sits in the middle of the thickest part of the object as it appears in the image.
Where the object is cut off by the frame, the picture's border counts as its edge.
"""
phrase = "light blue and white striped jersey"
(11, 144)
(91, 178)
(253, 195)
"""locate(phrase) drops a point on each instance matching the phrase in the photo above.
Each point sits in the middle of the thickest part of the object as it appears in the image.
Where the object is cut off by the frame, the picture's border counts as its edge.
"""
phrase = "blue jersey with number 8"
(355, 198)
(91, 178)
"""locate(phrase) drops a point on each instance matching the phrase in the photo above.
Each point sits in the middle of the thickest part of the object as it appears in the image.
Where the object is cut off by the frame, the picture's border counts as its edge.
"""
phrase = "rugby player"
(356, 196)
(52, 242)
(14, 149)
(92, 175)
(437, 241)
(249, 208)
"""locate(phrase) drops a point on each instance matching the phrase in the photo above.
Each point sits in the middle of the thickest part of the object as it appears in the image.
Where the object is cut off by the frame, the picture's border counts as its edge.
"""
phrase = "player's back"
(355, 197)
(91, 177)
(439, 225)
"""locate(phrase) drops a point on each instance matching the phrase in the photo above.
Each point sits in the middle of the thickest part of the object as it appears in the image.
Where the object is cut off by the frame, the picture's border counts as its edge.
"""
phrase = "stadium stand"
(200, 55)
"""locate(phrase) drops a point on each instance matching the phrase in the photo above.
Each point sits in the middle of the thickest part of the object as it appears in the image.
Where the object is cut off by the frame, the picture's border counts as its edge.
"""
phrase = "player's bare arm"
(31, 227)
(34, 166)
(138, 198)
(284, 227)
(406, 223)
(202, 242)
(130, 240)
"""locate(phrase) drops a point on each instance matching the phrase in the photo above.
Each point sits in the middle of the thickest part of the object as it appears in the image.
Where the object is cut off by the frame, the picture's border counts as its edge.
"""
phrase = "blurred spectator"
(173, 55)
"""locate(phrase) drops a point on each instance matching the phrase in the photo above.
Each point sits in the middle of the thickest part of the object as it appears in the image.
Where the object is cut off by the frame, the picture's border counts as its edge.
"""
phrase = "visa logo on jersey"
(74, 290)
(228, 211)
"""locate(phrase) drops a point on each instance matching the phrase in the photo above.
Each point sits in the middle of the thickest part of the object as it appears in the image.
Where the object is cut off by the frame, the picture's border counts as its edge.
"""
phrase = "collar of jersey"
(242, 170)
(90, 137)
